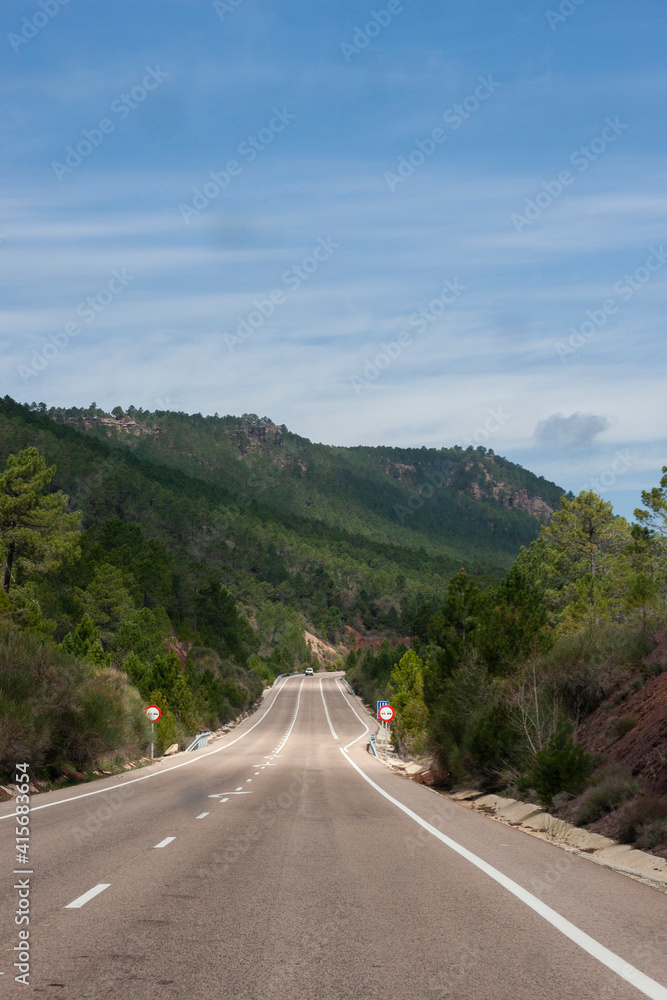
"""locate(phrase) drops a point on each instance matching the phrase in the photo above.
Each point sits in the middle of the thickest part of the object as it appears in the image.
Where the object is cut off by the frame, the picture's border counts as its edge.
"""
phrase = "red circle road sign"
(153, 713)
(386, 713)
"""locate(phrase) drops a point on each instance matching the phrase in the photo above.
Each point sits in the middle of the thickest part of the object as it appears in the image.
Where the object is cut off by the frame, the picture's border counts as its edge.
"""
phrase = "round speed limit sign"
(153, 713)
(386, 713)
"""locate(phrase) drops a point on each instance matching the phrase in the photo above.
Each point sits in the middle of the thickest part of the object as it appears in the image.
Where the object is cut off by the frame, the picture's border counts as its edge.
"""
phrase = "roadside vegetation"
(186, 555)
(500, 679)
(92, 630)
(124, 581)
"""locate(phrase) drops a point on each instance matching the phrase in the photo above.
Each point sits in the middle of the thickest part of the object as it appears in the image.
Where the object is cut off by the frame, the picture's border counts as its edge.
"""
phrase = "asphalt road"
(291, 869)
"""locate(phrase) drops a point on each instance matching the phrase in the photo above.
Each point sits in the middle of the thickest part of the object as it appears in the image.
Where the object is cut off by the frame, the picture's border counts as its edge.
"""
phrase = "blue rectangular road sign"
(380, 704)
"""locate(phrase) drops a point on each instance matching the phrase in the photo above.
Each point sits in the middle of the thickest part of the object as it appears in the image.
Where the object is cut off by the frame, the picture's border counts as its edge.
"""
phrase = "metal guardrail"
(348, 686)
(199, 741)
(372, 744)
(292, 673)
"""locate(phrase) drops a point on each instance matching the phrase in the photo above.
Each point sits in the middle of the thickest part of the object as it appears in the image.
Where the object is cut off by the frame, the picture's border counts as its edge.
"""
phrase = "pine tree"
(406, 692)
(36, 532)
(583, 543)
(656, 501)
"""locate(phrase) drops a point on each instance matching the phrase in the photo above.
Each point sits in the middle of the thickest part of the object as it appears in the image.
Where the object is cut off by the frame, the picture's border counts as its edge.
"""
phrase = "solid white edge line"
(349, 705)
(81, 900)
(649, 987)
(154, 774)
(333, 731)
(163, 843)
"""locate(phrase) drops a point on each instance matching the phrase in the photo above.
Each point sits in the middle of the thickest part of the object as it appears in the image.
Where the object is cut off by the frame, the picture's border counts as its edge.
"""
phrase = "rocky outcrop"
(399, 470)
(519, 500)
(253, 437)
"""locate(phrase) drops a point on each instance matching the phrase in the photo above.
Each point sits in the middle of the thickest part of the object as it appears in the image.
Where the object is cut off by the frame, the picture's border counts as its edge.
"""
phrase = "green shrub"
(406, 694)
(583, 669)
(644, 821)
(615, 786)
(652, 835)
(167, 731)
(469, 728)
(562, 766)
(57, 709)
(619, 727)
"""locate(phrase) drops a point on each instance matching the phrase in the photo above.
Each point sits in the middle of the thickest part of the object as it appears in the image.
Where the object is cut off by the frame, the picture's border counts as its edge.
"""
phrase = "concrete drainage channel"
(532, 819)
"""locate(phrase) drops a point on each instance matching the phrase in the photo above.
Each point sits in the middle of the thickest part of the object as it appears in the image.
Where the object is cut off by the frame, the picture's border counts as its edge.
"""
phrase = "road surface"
(277, 864)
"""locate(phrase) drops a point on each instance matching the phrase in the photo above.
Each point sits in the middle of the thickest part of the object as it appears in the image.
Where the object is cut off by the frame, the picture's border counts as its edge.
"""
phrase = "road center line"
(81, 900)
(649, 987)
(326, 710)
(154, 774)
(167, 840)
(291, 725)
(202, 815)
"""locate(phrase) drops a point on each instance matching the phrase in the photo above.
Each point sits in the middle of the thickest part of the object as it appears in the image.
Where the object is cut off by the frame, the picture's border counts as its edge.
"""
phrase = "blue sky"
(406, 223)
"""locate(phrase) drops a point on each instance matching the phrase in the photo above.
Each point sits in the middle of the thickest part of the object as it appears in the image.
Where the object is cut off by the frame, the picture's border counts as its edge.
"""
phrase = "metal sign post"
(153, 713)
(383, 728)
(386, 714)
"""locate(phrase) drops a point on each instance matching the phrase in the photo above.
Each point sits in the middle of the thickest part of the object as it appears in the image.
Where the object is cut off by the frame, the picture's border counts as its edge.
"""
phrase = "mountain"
(469, 504)
(357, 537)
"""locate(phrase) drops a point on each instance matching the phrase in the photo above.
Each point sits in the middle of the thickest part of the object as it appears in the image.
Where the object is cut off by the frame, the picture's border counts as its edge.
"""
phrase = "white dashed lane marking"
(202, 815)
(167, 840)
(81, 900)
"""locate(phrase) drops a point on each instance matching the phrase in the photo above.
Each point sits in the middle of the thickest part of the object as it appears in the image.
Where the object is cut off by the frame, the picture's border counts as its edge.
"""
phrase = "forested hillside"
(178, 559)
(549, 686)
(468, 504)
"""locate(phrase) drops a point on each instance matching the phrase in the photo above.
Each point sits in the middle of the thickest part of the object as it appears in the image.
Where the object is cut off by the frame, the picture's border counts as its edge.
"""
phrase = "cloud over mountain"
(579, 430)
